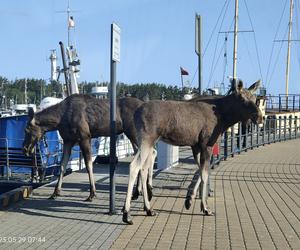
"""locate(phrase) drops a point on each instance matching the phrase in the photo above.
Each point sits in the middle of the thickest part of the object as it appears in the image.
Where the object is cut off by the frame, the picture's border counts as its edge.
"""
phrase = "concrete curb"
(14, 196)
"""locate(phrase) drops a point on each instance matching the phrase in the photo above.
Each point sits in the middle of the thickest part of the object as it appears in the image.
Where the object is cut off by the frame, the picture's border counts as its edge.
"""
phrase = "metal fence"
(282, 103)
(45, 162)
(274, 129)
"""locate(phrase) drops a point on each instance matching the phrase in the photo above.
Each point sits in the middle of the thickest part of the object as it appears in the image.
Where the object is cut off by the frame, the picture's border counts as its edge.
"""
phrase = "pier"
(256, 203)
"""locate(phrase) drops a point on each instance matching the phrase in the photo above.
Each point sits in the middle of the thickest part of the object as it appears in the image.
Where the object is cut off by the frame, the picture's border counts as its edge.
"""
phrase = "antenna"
(70, 21)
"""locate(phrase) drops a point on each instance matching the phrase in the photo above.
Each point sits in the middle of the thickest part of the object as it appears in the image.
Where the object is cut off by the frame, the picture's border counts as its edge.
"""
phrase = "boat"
(44, 164)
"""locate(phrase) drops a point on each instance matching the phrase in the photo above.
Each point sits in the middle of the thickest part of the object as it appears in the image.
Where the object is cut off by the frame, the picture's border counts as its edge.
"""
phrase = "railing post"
(257, 135)
(284, 127)
(275, 128)
(232, 141)
(269, 130)
(296, 124)
(290, 127)
(279, 139)
(7, 160)
(293, 103)
(246, 138)
(240, 144)
(225, 145)
(263, 133)
(279, 104)
(251, 129)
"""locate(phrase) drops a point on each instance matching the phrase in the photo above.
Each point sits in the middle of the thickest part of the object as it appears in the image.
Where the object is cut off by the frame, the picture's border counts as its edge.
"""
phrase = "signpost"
(198, 49)
(115, 57)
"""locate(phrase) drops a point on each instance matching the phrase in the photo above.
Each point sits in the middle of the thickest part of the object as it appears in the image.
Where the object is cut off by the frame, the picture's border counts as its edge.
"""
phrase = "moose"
(78, 118)
(197, 124)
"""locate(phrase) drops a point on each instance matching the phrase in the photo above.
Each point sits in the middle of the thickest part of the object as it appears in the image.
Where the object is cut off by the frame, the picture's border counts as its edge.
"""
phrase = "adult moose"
(197, 124)
(79, 118)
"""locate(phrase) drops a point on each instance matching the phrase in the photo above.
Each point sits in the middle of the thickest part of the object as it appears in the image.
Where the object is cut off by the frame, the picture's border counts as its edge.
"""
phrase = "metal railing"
(274, 129)
(46, 160)
(282, 103)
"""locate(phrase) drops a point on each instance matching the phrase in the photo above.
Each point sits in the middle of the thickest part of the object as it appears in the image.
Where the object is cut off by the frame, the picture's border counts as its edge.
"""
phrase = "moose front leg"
(65, 158)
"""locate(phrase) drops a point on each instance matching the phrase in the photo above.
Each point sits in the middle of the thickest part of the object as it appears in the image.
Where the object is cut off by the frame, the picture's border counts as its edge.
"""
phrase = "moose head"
(247, 100)
(33, 133)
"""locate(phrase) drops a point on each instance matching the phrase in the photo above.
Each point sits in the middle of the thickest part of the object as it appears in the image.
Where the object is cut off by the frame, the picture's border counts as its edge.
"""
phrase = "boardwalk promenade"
(256, 201)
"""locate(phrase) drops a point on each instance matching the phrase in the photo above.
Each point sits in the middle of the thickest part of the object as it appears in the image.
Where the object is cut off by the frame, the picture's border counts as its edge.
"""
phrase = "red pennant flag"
(183, 72)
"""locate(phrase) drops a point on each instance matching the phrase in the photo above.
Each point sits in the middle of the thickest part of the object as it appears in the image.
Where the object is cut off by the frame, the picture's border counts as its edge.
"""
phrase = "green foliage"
(14, 91)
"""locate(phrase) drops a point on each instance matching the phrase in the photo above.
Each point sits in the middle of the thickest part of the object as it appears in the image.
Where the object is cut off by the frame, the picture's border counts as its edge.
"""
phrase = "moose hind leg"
(204, 170)
(145, 178)
(194, 186)
(137, 191)
(65, 158)
(150, 174)
(85, 146)
(134, 168)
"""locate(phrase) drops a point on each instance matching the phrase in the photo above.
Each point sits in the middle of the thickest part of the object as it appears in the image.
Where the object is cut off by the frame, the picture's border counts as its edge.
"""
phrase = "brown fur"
(79, 118)
(197, 124)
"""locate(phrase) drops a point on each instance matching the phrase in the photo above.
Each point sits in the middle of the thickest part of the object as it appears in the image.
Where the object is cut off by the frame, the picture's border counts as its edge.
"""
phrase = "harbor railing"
(273, 129)
(283, 103)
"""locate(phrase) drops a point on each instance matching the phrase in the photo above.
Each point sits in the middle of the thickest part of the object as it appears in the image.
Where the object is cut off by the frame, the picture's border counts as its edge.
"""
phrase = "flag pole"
(181, 81)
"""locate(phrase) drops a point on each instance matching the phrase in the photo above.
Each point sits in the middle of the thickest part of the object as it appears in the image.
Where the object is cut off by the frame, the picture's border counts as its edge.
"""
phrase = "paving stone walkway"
(256, 202)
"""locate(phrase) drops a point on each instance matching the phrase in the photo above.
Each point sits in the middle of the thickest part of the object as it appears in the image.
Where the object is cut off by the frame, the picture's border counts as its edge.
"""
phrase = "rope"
(255, 42)
(272, 50)
(211, 35)
(213, 66)
(276, 61)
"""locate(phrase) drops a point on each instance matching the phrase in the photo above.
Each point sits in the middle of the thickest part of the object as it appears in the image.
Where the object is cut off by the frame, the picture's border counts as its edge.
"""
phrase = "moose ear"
(236, 85)
(254, 86)
(240, 84)
(30, 113)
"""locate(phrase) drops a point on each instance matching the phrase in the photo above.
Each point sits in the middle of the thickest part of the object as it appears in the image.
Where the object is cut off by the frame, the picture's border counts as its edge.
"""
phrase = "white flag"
(71, 22)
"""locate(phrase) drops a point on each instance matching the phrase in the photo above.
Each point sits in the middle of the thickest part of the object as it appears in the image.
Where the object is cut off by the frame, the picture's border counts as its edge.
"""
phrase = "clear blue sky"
(157, 38)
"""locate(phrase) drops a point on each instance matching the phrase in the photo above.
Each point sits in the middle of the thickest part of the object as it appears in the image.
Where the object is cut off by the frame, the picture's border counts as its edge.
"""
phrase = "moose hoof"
(54, 196)
(150, 193)
(208, 212)
(90, 198)
(135, 194)
(188, 203)
(150, 212)
(126, 218)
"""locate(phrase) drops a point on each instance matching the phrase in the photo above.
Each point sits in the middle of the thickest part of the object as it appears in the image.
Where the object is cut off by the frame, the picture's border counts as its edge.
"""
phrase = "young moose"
(79, 118)
(195, 124)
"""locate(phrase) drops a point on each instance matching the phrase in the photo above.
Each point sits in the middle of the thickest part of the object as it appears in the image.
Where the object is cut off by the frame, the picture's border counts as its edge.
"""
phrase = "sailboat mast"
(68, 15)
(235, 39)
(287, 73)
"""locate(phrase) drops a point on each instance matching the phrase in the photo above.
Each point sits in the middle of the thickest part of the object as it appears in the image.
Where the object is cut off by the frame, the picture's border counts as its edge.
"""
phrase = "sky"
(157, 37)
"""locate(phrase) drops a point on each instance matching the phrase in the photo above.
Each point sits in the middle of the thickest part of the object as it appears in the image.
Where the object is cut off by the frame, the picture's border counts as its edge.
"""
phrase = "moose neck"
(229, 111)
(49, 118)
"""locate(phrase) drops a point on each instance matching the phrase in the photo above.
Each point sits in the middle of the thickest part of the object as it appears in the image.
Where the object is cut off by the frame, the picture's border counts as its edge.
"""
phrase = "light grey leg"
(134, 168)
(204, 168)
